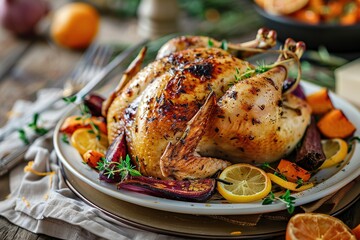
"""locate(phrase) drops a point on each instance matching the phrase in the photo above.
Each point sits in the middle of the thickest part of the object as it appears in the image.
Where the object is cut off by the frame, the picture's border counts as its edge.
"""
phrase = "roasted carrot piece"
(320, 101)
(73, 123)
(92, 157)
(335, 124)
(292, 171)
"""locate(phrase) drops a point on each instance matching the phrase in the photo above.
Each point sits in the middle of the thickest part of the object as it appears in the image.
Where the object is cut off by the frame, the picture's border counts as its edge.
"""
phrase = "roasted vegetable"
(320, 101)
(94, 103)
(115, 153)
(185, 190)
(92, 157)
(73, 123)
(336, 125)
(310, 154)
(292, 171)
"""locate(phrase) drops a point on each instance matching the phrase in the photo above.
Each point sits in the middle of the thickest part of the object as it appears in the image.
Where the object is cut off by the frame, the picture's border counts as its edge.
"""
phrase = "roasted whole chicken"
(198, 108)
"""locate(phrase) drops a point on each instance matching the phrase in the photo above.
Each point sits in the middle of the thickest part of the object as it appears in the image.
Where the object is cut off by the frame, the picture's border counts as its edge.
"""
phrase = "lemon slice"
(335, 151)
(249, 183)
(84, 139)
(289, 185)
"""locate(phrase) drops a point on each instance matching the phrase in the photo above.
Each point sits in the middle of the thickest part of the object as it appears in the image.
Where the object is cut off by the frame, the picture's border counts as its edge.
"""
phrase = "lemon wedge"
(247, 183)
(289, 185)
(84, 139)
(335, 151)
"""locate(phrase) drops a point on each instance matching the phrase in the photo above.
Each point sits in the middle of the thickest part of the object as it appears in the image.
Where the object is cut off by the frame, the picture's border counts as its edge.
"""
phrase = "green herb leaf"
(265, 165)
(224, 45)
(267, 201)
(34, 126)
(65, 139)
(23, 137)
(285, 198)
(280, 175)
(70, 99)
(210, 43)
(355, 138)
(101, 164)
(124, 168)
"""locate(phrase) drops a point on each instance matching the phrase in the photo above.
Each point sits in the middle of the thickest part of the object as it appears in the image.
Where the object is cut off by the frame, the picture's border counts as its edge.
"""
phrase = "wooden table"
(29, 65)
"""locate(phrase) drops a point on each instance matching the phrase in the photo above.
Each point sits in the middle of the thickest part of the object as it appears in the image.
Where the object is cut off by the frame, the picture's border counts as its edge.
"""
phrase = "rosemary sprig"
(285, 198)
(124, 168)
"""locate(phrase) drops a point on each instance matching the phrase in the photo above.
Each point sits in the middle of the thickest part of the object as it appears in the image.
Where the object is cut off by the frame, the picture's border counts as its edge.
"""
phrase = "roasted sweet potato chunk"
(335, 124)
(320, 101)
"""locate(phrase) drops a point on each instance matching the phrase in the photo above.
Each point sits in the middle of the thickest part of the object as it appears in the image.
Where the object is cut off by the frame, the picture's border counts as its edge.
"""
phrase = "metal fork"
(92, 62)
(105, 73)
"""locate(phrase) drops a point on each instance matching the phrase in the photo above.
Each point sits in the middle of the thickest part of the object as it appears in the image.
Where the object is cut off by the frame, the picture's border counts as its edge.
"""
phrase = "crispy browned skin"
(250, 122)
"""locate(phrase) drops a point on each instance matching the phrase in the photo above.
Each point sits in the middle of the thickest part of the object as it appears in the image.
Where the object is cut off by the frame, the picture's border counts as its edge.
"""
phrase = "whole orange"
(75, 25)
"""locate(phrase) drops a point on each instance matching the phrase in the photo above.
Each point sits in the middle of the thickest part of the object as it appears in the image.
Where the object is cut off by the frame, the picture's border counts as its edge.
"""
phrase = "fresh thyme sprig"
(285, 198)
(124, 168)
(85, 114)
(251, 71)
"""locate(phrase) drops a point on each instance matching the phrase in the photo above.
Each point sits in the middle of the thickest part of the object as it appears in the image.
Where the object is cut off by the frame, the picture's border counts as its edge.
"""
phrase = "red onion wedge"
(185, 190)
(116, 151)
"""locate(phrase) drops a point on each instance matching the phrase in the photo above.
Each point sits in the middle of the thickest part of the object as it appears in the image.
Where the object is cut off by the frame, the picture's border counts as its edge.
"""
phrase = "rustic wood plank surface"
(41, 65)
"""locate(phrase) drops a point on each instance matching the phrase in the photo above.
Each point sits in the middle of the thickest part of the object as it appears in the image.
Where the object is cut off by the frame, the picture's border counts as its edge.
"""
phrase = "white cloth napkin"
(44, 204)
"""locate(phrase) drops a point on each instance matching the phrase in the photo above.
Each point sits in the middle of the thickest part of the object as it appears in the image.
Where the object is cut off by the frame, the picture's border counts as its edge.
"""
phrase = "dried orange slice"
(248, 183)
(84, 139)
(335, 151)
(316, 226)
